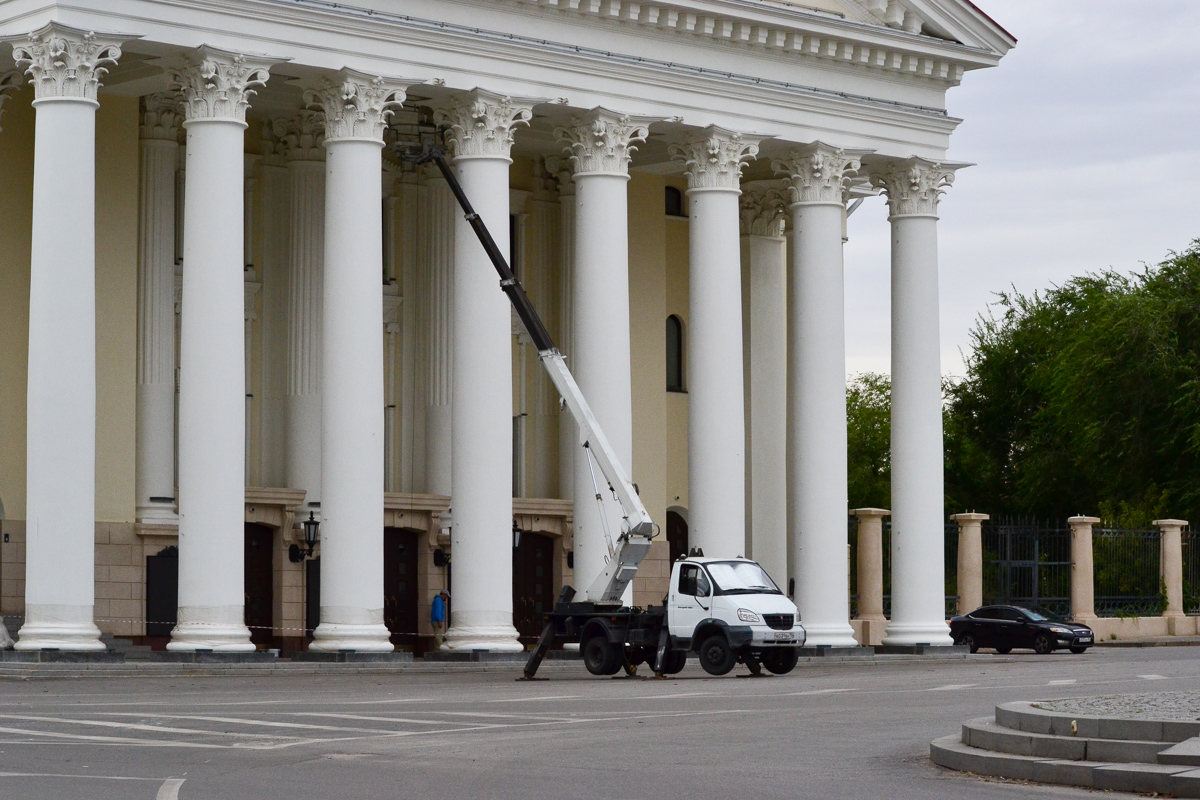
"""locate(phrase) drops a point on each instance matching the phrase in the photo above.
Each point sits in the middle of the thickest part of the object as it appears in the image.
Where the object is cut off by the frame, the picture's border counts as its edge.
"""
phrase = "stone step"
(1026, 716)
(984, 733)
(1172, 780)
(1186, 753)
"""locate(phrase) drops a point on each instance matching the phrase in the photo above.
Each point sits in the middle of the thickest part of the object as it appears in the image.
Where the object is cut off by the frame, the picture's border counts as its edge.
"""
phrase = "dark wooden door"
(259, 589)
(312, 595)
(533, 584)
(677, 536)
(400, 585)
(162, 592)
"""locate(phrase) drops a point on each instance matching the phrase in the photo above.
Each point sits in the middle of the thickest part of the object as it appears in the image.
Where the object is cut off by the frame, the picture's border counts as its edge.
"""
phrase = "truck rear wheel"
(780, 660)
(716, 656)
(674, 662)
(601, 657)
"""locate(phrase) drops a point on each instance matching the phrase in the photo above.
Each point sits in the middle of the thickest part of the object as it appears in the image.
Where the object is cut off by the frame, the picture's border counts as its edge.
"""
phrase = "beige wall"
(676, 276)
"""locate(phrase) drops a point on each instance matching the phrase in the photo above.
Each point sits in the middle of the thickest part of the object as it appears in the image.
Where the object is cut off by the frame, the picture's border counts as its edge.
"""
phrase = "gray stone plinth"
(920, 650)
(836, 652)
(202, 657)
(476, 655)
(355, 658)
(61, 657)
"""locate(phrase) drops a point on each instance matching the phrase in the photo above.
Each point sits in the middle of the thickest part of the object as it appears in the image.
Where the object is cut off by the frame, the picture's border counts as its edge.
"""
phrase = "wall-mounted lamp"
(312, 534)
(516, 534)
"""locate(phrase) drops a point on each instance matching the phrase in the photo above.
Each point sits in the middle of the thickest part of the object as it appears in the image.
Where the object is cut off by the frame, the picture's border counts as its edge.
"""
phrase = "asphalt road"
(830, 732)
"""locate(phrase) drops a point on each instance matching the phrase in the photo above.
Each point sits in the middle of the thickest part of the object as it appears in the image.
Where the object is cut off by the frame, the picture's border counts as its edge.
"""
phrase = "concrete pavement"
(845, 731)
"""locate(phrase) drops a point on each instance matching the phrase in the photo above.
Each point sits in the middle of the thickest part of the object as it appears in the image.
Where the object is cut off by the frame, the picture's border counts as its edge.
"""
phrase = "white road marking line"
(951, 687)
(57, 775)
(1065, 682)
(810, 693)
(122, 740)
(136, 727)
(258, 722)
(537, 699)
(1153, 677)
(366, 718)
(170, 789)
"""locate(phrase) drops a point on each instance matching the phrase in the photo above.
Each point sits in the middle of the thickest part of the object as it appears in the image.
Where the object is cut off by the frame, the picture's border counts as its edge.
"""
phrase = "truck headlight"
(746, 615)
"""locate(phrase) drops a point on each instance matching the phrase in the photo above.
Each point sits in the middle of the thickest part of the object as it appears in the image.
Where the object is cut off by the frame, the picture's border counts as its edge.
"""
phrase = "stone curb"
(1179, 781)
(986, 734)
(149, 669)
(1025, 716)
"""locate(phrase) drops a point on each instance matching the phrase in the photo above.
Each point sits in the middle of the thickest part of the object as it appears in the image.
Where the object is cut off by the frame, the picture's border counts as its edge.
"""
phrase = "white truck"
(727, 611)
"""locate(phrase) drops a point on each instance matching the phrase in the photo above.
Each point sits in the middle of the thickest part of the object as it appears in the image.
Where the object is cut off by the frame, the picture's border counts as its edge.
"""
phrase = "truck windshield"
(741, 577)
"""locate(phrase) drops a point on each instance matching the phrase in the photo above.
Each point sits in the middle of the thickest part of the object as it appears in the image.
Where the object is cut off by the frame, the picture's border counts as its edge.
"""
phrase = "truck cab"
(729, 611)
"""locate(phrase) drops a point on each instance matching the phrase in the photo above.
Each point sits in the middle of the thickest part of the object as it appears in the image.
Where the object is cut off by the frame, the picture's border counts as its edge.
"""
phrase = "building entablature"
(791, 74)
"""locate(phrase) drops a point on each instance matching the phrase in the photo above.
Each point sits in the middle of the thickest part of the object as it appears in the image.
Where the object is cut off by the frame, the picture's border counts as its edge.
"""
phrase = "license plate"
(783, 637)
(1085, 638)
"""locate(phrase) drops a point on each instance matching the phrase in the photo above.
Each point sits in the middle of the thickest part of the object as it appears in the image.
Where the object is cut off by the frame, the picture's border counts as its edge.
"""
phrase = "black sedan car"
(1007, 627)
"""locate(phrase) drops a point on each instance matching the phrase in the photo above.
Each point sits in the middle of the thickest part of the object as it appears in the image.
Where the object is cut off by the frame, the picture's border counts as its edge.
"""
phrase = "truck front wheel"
(601, 657)
(780, 660)
(716, 656)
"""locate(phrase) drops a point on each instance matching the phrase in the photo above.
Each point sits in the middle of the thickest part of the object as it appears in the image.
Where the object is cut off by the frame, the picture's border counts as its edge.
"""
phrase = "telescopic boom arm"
(638, 529)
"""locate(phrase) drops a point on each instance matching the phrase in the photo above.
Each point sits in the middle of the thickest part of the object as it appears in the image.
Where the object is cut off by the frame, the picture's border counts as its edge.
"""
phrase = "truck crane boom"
(633, 543)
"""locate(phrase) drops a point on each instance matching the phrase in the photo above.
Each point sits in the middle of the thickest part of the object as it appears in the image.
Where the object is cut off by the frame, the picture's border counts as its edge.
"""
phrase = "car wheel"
(967, 640)
(780, 660)
(601, 657)
(716, 656)
(1078, 650)
(674, 662)
(1043, 645)
(1003, 650)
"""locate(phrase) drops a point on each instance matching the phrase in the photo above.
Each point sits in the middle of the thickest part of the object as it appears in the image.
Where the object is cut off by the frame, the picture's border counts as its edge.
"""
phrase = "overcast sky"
(1087, 145)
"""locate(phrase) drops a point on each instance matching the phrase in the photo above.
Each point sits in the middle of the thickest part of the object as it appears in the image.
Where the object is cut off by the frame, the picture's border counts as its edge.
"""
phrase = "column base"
(55, 627)
(934, 634)
(221, 629)
(830, 635)
(335, 637)
(490, 631)
(152, 513)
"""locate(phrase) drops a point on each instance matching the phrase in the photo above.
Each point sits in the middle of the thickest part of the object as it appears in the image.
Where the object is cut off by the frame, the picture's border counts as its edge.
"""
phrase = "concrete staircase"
(1025, 742)
(126, 647)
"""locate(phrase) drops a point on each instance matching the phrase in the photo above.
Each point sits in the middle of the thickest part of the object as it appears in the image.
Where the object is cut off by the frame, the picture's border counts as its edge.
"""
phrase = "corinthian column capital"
(9, 83)
(64, 62)
(817, 173)
(601, 141)
(301, 138)
(218, 85)
(762, 208)
(713, 158)
(357, 105)
(481, 123)
(913, 185)
(161, 116)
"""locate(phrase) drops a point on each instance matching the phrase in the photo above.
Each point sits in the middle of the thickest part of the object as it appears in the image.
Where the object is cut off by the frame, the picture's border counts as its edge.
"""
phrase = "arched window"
(675, 349)
(674, 202)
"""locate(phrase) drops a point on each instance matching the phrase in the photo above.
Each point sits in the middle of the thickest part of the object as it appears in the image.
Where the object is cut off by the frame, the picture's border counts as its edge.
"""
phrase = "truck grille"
(780, 622)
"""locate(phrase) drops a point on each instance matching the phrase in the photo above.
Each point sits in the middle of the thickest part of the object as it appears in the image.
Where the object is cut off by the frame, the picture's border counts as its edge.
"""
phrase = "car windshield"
(741, 577)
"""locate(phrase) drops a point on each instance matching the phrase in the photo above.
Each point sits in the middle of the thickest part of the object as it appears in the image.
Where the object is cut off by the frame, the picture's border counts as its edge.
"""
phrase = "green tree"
(1082, 398)
(868, 440)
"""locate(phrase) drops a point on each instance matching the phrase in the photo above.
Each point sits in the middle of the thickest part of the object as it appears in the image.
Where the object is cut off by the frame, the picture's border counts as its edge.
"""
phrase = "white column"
(10, 82)
(273, 266)
(600, 146)
(303, 137)
(765, 254)
(481, 134)
(540, 269)
(391, 433)
(65, 66)
(155, 471)
(439, 212)
(356, 107)
(568, 431)
(716, 405)
(216, 86)
(913, 187)
(816, 178)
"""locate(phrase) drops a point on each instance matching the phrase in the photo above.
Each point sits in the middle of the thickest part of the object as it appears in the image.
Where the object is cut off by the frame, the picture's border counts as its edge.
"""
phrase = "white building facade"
(229, 306)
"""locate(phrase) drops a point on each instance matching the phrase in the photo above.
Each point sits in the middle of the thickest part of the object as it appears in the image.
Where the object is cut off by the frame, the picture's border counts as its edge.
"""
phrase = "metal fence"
(951, 567)
(1027, 563)
(1128, 575)
(1191, 572)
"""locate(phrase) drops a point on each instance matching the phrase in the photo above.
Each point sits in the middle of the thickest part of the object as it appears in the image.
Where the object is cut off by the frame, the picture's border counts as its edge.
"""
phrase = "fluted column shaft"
(816, 177)
(480, 130)
(356, 108)
(764, 252)
(65, 66)
(600, 144)
(439, 212)
(155, 470)
(306, 258)
(716, 404)
(212, 355)
(568, 431)
(918, 540)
